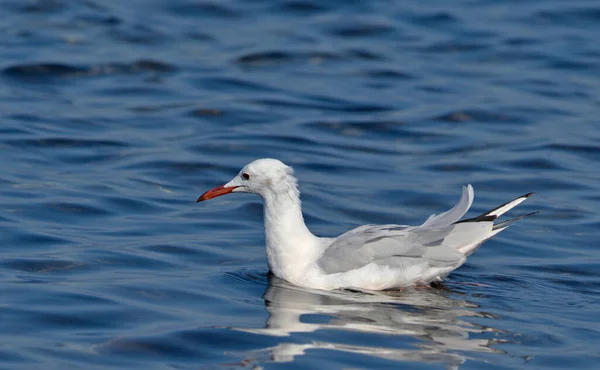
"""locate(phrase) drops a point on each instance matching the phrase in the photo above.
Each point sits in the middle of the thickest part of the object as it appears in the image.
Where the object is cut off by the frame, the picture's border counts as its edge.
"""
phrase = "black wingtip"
(481, 218)
(487, 217)
(508, 222)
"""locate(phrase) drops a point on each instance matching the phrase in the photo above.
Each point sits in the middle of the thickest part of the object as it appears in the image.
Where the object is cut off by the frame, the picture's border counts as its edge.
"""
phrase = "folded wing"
(391, 245)
(434, 243)
(443, 241)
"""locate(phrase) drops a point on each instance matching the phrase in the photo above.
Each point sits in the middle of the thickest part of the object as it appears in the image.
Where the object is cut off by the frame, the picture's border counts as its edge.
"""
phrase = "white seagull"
(370, 257)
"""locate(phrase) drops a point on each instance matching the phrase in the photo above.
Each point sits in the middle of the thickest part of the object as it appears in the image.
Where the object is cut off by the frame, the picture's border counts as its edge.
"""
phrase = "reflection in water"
(428, 315)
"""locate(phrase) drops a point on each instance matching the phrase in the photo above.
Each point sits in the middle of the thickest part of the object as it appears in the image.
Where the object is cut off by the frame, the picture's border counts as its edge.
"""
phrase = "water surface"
(116, 116)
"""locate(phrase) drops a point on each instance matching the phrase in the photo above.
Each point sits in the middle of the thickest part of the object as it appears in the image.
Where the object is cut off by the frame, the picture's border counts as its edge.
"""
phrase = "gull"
(369, 257)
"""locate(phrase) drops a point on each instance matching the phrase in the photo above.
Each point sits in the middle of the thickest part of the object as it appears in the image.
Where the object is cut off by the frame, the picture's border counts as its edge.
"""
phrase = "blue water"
(115, 116)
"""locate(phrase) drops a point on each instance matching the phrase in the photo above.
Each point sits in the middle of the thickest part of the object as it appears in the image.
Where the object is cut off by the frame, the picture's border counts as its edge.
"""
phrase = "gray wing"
(454, 214)
(434, 242)
(389, 245)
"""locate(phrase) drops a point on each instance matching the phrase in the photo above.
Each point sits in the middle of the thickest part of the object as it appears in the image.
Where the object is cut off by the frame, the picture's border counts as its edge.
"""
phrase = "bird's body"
(370, 257)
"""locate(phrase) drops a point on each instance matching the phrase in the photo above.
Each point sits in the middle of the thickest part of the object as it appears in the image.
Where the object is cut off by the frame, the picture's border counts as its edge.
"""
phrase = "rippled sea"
(115, 116)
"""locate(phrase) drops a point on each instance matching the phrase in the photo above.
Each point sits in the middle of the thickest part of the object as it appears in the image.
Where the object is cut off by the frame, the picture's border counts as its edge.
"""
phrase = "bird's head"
(263, 176)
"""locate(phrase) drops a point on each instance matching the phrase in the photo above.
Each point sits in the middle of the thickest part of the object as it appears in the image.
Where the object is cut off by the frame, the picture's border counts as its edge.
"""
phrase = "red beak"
(216, 192)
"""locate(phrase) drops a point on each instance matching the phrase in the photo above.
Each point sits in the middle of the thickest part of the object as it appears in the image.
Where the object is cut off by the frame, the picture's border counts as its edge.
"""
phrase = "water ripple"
(36, 72)
(116, 116)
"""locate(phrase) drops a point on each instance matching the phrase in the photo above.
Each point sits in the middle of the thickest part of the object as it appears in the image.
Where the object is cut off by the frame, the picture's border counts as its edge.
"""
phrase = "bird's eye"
(245, 176)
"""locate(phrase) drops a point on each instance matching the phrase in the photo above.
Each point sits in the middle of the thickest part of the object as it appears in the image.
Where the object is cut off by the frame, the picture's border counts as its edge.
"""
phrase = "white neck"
(290, 245)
